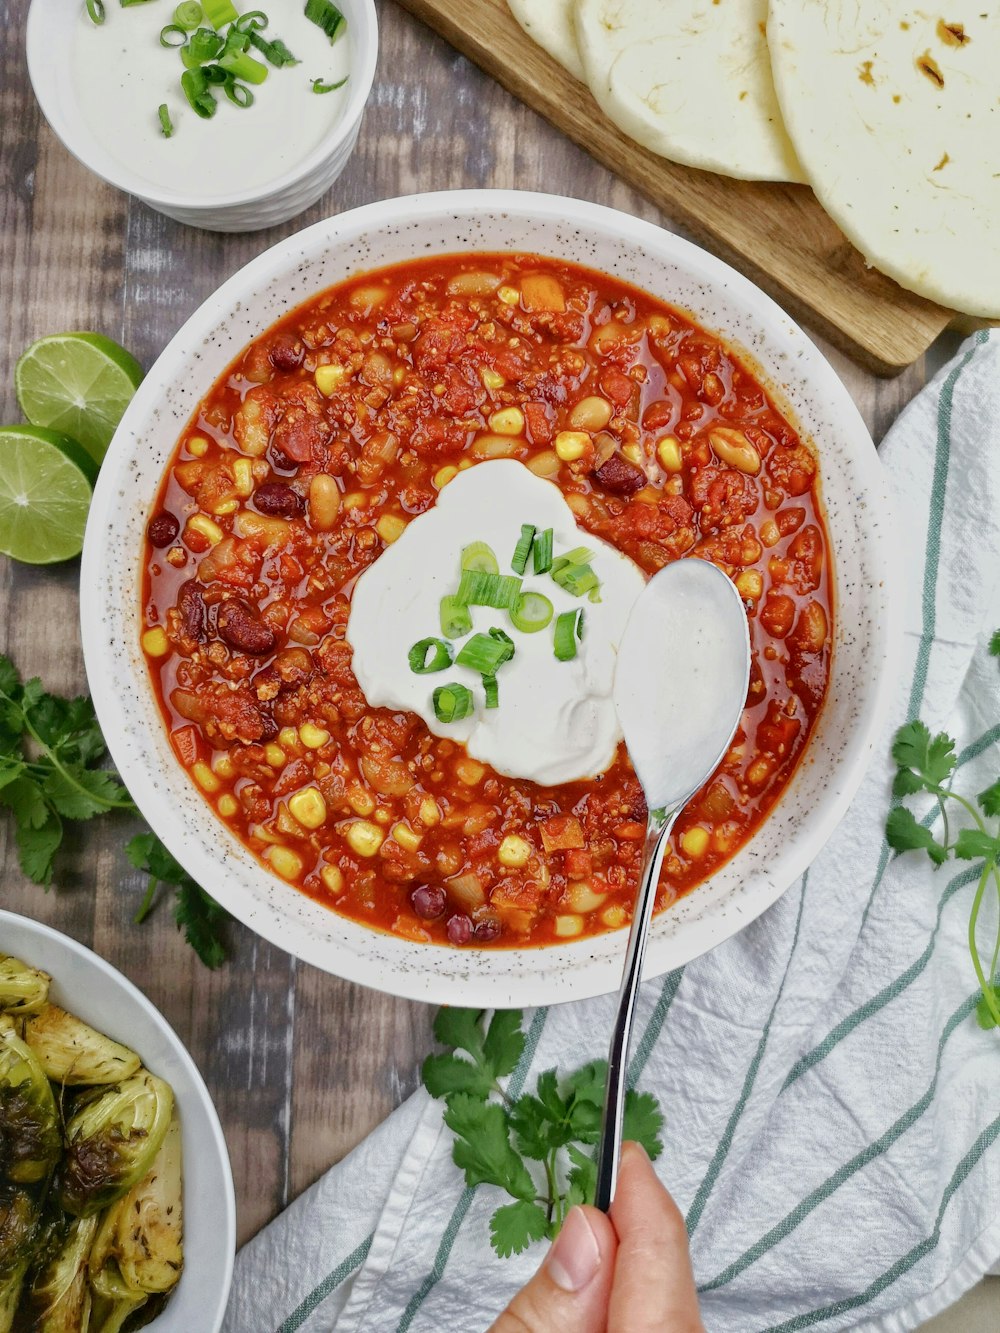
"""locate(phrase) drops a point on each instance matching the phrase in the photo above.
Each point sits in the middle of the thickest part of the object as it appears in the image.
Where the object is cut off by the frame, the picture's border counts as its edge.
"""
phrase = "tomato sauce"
(332, 431)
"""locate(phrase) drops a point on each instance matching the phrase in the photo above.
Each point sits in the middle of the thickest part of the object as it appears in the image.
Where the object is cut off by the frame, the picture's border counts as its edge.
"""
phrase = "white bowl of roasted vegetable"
(104, 1124)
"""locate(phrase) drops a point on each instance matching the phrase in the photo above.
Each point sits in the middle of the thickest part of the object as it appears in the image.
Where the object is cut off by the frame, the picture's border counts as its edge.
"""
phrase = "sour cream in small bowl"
(244, 168)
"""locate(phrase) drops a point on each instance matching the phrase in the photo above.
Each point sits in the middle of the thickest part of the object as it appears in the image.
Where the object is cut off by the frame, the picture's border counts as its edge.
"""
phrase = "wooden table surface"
(301, 1065)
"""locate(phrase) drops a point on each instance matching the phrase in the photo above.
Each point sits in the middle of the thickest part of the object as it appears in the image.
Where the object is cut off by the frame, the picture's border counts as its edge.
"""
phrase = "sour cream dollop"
(556, 721)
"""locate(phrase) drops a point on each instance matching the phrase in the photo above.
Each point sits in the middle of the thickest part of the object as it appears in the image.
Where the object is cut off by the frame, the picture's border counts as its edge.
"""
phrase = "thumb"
(571, 1289)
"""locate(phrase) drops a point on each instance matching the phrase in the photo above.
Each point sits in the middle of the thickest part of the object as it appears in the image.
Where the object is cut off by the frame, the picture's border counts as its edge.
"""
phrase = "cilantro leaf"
(504, 1042)
(989, 800)
(971, 844)
(932, 758)
(482, 1146)
(81, 793)
(462, 1029)
(37, 846)
(24, 798)
(200, 916)
(643, 1121)
(904, 834)
(445, 1073)
(514, 1226)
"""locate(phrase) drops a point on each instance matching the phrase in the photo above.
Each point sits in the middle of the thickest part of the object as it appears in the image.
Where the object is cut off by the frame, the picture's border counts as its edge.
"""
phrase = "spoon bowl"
(680, 688)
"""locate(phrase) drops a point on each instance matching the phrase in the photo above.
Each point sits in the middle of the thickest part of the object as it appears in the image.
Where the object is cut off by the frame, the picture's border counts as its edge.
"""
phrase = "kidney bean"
(620, 475)
(286, 354)
(429, 902)
(163, 529)
(487, 931)
(459, 928)
(277, 500)
(191, 609)
(240, 627)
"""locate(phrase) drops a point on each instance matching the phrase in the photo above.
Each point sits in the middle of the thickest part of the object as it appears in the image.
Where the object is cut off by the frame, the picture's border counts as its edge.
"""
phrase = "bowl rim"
(364, 59)
(144, 1003)
(586, 975)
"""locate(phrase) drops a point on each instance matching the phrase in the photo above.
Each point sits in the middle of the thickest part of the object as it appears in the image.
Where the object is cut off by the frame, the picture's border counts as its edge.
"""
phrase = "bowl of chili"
(308, 417)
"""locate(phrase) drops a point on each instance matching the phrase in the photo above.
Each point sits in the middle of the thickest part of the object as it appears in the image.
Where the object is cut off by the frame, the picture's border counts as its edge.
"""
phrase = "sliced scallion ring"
(173, 35)
(220, 12)
(95, 11)
(478, 588)
(576, 579)
(188, 15)
(275, 52)
(532, 612)
(204, 45)
(242, 66)
(238, 93)
(456, 619)
(541, 551)
(569, 628)
(216, 75)
(486, 653)
(452, 702)
(477, 555)
(318, 86)
(428, 656)
(519, 560)
(252, 22)
(492, 690)
(194, 84)
(326, 16)
(166, 124)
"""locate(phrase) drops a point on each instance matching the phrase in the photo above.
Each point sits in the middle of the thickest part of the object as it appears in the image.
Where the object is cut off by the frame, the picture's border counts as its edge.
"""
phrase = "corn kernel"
(668, 451)
(223, 507)
(470, 772)
(406, 837)
(513, 851)
(758, 772)
(614, 917)
(198, 446)
(492, 379)
(228, 806)
(509, 295)
(571, 445)
(443, 475)
(222, 765)
(430, 812)
(308, 807)
(243, 477)
(355, 500)
(275, 755)
(390, 527)
(591, 413)
(750, 584)
(633, 452)
(383, 817)
(332, 878)
(329, 377)
(264, 834)
(204, 526)
(694, 841)
(286, 862)
(155, 642)
(361, 802)
(465, 463)
(566, 927)
(288, 738)
(364, 838)
(507, 421)
(313, 738)
(205, 778)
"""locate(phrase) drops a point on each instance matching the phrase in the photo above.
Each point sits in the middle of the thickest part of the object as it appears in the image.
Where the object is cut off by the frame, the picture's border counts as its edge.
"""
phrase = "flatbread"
(895, 116)
(550, 24)
(690, 80)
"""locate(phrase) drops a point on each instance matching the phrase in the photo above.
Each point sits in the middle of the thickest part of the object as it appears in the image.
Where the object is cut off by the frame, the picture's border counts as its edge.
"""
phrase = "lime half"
(46, 484)
(77, 383)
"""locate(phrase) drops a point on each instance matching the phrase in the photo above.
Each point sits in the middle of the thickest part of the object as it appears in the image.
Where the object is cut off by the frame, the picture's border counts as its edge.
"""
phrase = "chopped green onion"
(478, 555)
(492, 691)
(238, 93)
(477, 588)
(188, 15)
(326, 16)
(166, 125)
(95, 9)
(542, 551)
(216, 75)
(456, 619)
(318, 86)
(252, 22)
(580, 555)
(576, 579)
(569, 628)
(519, 560)
(276, 53)
(194, 85)
(220, 12)
(503, 637)
(242, 66)
(204, 45)
(484, 654)
(127, 4)
(440, 656)
(451, 703)
(173, 35)
(532, 612)
(236, 41)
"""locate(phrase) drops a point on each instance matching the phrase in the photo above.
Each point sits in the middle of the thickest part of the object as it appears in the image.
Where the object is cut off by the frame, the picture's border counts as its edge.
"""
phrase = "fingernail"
(575, 1257)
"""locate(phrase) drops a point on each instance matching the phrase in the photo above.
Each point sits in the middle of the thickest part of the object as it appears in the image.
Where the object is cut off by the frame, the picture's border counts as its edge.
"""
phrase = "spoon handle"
(609, 1148)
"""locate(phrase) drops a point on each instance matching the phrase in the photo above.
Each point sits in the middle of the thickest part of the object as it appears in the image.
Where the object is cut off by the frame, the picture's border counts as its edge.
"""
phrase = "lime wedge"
(46, 483)
(77, 383)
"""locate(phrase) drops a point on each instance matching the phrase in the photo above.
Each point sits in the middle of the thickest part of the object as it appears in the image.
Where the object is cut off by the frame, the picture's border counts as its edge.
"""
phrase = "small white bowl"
(49, 43)
(87, 986)
(859, 513)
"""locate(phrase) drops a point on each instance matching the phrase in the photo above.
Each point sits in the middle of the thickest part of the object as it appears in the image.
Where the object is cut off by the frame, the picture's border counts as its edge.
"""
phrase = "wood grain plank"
(777, 234)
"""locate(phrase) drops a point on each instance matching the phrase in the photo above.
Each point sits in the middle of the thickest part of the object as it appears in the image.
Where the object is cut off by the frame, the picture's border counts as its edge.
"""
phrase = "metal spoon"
(680, 686)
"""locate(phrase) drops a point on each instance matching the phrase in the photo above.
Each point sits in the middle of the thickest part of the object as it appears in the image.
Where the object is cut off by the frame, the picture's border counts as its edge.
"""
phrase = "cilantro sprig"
(925, 764)
(50, 749)
(555, 1129)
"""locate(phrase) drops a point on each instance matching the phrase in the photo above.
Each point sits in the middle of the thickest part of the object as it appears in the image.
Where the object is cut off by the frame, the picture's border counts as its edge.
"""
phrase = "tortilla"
(550, 24)
(895, 116)
(690, 80)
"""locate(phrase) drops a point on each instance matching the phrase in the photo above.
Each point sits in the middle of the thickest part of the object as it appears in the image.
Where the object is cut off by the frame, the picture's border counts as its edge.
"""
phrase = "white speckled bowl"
(858, 512)
(49, 49)
(88, 986)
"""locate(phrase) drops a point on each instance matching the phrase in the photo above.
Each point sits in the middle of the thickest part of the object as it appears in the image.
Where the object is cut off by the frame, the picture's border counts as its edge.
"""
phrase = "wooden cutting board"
(776, 234)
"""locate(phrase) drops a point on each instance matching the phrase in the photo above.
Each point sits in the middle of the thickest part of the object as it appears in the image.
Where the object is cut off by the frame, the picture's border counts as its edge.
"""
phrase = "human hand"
(629, 1272)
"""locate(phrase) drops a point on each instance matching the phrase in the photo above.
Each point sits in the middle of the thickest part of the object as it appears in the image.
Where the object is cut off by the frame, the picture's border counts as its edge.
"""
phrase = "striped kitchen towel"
(832, 1107)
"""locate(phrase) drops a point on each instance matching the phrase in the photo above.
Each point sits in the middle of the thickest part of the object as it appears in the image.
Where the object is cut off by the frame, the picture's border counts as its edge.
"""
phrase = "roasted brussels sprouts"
(23, 989)
(30, 1141)
(18, 1235)
(149, 1224)
(112, 1136)
(72, 1052)
(58, 1300)
(114, 1301)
